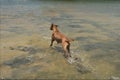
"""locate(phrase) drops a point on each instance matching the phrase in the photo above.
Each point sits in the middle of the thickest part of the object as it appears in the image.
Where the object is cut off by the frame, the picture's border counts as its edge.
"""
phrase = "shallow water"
(95, 26)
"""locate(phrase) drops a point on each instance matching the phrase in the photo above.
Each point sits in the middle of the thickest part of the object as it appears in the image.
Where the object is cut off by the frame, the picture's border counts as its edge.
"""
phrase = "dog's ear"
(51, 28)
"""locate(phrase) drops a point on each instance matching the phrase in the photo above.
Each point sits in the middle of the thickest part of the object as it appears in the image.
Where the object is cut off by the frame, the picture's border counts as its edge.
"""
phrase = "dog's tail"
(71, 40)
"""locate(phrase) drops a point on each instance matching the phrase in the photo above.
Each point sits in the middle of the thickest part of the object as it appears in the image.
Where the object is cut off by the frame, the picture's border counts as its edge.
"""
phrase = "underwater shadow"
(58, 49)
(17, 62)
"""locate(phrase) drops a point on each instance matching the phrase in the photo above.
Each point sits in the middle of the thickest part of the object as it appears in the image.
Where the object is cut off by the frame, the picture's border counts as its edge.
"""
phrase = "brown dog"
(60, 38)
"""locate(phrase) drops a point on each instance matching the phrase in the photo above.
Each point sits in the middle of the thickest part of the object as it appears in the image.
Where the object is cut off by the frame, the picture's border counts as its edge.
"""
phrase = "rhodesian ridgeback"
(60, 38)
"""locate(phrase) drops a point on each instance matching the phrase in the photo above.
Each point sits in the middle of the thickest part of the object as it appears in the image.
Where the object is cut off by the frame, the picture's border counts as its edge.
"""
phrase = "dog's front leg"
(52, 40)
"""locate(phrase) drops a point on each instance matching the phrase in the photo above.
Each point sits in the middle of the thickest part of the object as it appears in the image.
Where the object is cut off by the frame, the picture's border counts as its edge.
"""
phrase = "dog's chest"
(57, 37)
(58, 40)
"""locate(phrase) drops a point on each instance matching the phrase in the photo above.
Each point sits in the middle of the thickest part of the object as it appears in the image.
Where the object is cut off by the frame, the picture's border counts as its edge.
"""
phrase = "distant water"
(60, 12)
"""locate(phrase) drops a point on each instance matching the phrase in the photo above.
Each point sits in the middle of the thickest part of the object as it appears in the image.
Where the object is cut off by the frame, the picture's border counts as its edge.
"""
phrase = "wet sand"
(25, 39)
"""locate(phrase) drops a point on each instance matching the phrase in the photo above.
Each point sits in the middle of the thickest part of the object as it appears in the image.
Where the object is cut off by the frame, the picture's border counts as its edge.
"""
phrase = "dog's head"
(53, 26)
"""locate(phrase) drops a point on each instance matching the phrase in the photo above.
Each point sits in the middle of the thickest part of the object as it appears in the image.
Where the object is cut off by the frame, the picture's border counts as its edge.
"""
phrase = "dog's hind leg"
(65, 50)
(68, 50)
(66, 47)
